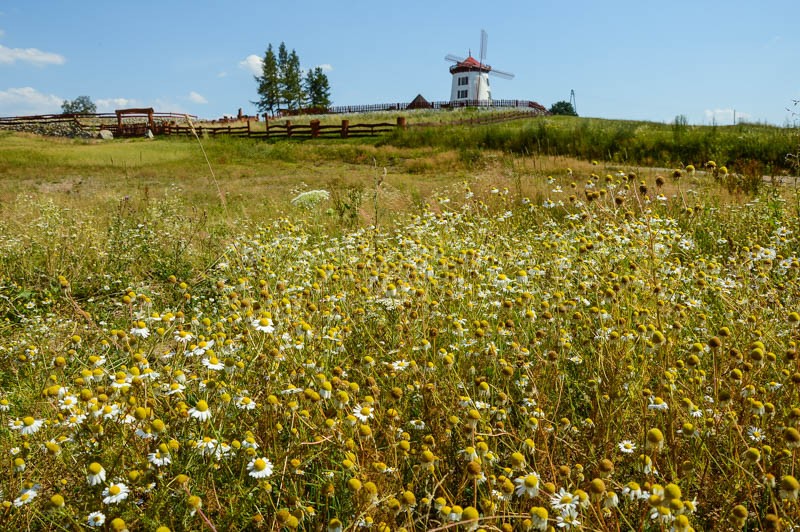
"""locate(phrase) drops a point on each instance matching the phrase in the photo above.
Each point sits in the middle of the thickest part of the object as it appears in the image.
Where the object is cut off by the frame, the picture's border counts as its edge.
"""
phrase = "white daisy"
(527, 485)
(260, 468)
(363, 413)
(96, 475)
(96, 519)
(245, 403)
(626, 446)
(200, 411)
(26, 497)
(116, 492)
(264, 325)
(159, 458)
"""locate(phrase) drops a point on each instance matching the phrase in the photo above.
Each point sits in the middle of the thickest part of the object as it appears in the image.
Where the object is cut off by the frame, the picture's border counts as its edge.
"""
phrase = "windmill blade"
(501, 74)
(454, 58)
(484, 43)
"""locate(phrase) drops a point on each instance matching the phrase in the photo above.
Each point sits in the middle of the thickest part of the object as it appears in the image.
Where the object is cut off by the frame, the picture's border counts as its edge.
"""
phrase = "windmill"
(471, 76)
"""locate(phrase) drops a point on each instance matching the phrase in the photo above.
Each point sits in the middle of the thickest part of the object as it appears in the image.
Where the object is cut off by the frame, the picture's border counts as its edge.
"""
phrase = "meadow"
(393, 334)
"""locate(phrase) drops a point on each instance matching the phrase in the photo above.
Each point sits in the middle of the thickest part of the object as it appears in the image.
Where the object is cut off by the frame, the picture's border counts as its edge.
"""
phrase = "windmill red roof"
(469, 64)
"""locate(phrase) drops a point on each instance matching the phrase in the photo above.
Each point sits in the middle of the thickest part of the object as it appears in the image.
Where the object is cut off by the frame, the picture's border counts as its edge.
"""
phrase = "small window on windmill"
(462, 94)
(463, 80)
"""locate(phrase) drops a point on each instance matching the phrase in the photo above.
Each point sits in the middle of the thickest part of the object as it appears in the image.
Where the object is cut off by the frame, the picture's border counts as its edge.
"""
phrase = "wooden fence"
(288, 129)
(443, 105)
(177, 124)
(130, 126)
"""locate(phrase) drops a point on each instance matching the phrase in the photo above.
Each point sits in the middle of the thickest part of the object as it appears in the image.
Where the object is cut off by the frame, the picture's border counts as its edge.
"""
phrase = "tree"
(282, 84)
(269, 83)
(563, 108)
(82, 105)
(283, 61)
(318, 90)
(293, 93)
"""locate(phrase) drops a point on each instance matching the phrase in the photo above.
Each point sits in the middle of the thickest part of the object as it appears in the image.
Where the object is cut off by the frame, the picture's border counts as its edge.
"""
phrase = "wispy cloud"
(2, 32)
(28, 101)
(222, 74)
(9, 56)
(252, 63)
(325, 67)
(725, 116)
(106, 105)
(195, 97)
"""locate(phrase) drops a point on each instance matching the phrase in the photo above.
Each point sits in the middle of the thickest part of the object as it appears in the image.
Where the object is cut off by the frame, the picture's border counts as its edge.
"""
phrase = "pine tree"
(292, 82)
(283, 63)
(269, 88)
(282, 85)
(318, 89)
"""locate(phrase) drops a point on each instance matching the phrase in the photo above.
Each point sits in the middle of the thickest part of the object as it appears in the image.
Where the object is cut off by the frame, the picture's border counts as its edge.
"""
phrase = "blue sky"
(642, 60)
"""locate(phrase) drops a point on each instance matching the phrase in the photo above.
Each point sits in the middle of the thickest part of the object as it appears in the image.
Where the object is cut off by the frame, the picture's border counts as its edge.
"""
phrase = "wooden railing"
(177, 124)
(132, 125)
(489, 104)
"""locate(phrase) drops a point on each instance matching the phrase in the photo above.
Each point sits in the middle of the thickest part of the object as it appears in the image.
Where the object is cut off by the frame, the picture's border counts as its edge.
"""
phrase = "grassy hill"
(458, 332)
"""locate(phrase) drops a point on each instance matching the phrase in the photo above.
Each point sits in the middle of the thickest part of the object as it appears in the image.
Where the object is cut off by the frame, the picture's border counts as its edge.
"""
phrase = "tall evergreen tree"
(293, 82)
(269, 83)
(318, 90)
(283, 64)
(282, 85)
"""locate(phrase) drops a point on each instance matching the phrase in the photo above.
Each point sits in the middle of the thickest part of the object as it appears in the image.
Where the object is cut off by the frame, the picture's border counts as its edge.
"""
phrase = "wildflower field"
(591, 349)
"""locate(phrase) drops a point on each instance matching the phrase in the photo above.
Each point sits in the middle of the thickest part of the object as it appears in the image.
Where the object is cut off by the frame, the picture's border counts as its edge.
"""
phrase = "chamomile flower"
(213, 363)
(96, 474)
(264, 324)
(626, 446)
(96, 519)
(527, 485)
(160, 457)
(27, 425)
(26, 496)
(260, 468)
(116, 492)
(363, 413)
(200, 411)
(245, 403)
(755, 434)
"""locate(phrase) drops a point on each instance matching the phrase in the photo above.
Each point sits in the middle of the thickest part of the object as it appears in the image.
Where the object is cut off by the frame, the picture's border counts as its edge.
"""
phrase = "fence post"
(314, 129)
(288, 128)
(248, 129)
(345, 128)
(266, 124)
(401, 122)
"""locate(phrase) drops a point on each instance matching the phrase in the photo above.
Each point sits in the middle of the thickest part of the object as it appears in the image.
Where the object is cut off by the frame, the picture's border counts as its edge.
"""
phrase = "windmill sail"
(470, 76)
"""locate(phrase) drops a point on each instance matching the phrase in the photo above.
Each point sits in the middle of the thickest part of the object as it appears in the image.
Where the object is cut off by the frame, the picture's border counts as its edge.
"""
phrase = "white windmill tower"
(471, 77)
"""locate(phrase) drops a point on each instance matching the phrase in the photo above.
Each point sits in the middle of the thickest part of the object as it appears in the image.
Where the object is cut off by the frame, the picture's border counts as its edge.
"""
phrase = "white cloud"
(252, 63)
(9, 56)
(325, 67)
(197, 98)
(222, 74)
(724, 116)
(106, 105)
(28, 101)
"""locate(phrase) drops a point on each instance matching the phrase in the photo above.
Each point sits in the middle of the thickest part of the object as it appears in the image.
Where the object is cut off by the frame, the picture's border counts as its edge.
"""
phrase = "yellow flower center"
(531, 481)
(114, 490)
(95, 468)
(259, 465)
(202, 406)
